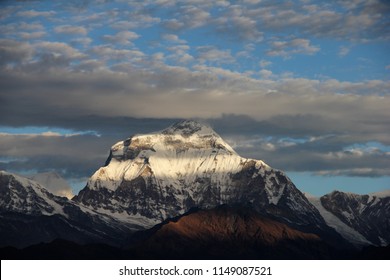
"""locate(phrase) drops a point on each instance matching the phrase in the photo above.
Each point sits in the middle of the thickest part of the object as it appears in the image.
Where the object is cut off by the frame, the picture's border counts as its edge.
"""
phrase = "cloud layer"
(300, 84)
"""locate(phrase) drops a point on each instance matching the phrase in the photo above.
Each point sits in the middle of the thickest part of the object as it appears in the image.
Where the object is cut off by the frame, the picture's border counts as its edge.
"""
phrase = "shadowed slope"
(229, 233)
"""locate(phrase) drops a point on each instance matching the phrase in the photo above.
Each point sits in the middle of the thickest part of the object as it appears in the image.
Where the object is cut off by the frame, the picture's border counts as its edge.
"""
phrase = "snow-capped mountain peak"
(24, 195)
(163, 174)
(181, 137)
(362, 219)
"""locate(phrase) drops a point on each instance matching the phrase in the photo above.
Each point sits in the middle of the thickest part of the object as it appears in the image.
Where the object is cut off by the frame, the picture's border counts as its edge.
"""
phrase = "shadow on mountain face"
(220, 233)
(228, 233)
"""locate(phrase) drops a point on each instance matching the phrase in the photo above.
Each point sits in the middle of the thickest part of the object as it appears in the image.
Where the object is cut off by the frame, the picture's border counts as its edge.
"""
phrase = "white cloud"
(173, 24)
(32, 35)
(344, 51)
(236, 24)
(59, 49)
(135, 20)
(265, 74)
(173, 38)
(85, 41)
(34, 13)
(264, 63)
(122, 37)
(252, 2)
(294, 46)
(108, 53)
(180, 54)
(212, 54)
(188, 17)
(69, 29)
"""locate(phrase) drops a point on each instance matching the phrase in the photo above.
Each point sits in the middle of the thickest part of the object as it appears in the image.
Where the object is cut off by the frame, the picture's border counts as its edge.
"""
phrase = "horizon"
(308, 95)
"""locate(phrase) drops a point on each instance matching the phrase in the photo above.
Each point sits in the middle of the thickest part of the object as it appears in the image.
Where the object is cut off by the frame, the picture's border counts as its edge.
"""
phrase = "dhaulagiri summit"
(151, 177)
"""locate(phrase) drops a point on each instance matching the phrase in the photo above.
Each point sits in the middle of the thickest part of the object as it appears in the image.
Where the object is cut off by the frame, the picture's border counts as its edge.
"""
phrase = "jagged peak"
(22, 180)
(189, 127)
(179, 136)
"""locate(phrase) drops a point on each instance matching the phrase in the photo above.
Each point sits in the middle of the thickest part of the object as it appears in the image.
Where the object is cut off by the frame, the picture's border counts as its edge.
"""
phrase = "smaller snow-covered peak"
(22, 180)
(23, 195)
(189, 127)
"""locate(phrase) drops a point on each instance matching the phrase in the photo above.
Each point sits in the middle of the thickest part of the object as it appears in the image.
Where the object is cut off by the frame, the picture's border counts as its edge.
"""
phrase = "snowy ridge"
(28, 197)
(333, 221)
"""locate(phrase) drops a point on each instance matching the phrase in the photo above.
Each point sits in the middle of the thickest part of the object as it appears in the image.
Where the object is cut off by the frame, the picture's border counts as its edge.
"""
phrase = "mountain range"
(184, 192)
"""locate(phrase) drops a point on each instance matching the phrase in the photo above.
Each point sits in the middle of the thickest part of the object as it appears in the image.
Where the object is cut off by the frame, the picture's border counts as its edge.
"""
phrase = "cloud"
(344, 51)
(266, 74)
(54, 183)
(107, 53)
(15, 52)
(173, 24)
(76, 156)
(38, 57)
(34, 13)
(331, 106)
(84, 41)
(207, 54)
(364, 22)
(180, 54)
(32, 35)
(236, 24)
(69, 29)
(173, 38)
(188, 17)
(59, 49)
(13, 27)
(329, 154)
(294, 46)
(264, 63)
(122, 37)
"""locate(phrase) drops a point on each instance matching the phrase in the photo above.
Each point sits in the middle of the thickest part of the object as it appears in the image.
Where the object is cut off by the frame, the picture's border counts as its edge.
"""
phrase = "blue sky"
(303, 85)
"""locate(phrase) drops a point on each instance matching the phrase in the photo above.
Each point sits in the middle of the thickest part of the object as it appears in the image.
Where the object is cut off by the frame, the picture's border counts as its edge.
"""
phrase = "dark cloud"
(73, 156)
